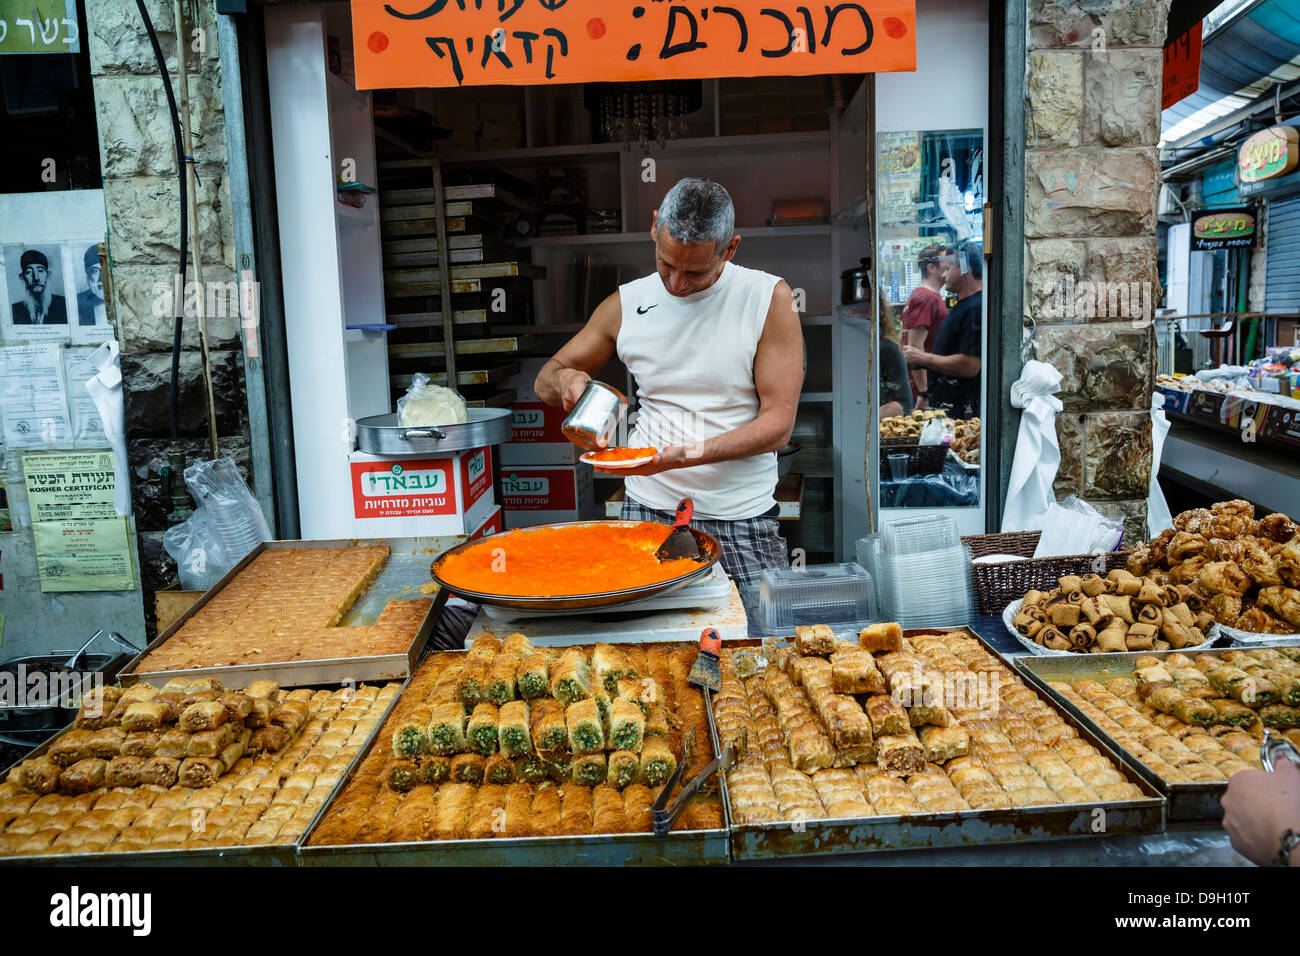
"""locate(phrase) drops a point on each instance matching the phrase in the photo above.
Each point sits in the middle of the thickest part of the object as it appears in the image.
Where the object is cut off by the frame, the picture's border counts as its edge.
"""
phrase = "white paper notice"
(33, 396)
(78, 368)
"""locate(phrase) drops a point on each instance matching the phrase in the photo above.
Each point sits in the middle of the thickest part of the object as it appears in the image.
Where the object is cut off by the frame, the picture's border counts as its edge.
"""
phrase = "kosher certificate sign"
(82, 544)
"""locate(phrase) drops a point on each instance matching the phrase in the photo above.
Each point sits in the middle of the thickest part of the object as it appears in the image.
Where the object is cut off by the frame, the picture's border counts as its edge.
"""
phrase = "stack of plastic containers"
(922, 569)
(841, 596)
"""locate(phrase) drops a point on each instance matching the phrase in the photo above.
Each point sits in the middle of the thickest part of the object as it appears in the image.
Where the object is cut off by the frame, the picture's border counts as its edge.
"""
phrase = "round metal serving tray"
(382, 435)
(709, 547)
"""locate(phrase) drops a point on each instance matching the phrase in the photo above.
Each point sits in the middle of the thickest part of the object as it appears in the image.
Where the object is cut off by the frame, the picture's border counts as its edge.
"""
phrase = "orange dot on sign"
(378, 42)
(895, 27)
(595, 28)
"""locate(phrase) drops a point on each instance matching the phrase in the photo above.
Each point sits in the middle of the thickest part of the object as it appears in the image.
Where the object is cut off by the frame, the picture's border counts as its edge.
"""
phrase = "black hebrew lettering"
(527, 39)
(809, 31)
(489, 49)
(740, 23)
(550, 50)
(435, 43)
(671, 49)
(833, 12)
(789, 32)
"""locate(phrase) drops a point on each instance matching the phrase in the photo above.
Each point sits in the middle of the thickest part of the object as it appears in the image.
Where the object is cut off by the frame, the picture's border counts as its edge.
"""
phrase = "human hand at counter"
(674, 456)
(573, 382)
(1258, 807)
(914, 356)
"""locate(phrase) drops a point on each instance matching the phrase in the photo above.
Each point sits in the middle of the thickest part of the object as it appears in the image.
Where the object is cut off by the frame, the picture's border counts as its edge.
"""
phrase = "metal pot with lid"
(855, 283)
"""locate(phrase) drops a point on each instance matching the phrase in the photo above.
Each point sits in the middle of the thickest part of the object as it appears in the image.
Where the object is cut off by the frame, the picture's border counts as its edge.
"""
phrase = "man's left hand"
(1258, 806)
(914, 357)
(674, 456)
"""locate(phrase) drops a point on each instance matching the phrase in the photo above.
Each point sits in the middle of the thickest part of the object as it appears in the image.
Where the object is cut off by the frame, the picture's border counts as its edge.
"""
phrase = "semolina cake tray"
(889, 740)
(285, 613)
(510, 753)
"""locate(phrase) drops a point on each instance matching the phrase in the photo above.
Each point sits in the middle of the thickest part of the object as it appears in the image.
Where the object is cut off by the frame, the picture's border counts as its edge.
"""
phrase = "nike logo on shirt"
(642, 310)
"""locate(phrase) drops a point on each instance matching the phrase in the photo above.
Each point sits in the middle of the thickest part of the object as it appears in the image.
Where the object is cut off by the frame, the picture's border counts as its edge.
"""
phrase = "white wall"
(950, 88)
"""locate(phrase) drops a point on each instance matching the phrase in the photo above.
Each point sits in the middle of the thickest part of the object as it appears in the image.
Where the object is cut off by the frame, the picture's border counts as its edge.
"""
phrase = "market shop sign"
(442, 43)
(1269, 154)
(39, 26)
(1223, 229)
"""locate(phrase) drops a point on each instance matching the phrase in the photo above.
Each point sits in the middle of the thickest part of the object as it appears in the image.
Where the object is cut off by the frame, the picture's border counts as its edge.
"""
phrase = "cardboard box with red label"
(494, 524)
(406, 496)
(546, 494)
(536, 432)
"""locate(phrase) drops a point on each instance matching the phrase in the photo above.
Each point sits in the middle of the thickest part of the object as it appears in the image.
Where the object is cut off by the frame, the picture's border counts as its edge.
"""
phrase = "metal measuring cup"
(593, 421)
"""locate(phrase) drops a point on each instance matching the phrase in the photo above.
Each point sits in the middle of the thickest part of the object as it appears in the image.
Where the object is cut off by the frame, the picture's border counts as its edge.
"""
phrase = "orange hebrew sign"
(436, 43)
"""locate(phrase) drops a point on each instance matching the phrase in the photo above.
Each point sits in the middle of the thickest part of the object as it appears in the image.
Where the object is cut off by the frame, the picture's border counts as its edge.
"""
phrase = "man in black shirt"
(955, 360)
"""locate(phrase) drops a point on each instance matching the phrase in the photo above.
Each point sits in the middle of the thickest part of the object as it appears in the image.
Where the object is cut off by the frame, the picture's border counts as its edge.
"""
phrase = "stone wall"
(140, 195)
(1092, 180)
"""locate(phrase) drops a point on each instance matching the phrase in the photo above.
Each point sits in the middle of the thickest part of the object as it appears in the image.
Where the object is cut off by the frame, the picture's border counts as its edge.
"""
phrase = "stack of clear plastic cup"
(923, 576)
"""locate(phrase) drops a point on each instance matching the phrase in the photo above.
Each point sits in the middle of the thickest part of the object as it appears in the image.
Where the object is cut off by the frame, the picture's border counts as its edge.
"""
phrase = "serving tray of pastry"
(893, 740)
(508, 754)
(1187, 721)
(106, 792)
(303, 613)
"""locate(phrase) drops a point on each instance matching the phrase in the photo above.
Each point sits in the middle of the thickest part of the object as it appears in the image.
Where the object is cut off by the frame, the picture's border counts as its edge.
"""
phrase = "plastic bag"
(1158, 515)
(937, 431)
(232, 511)
(1038, 455)
(430, 405)
(1076, 527)
(199, 558)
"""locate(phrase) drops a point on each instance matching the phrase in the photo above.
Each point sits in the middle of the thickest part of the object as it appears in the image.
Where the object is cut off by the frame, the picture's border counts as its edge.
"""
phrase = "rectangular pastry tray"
(406, 569)
(1188, 802)
(271, 854)
(767, 841)
(679, 848)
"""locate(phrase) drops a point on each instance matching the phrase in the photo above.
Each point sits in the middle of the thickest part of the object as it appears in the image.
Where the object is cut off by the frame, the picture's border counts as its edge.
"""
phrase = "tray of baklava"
(1185, 720)
(190, 771)
(888, 739)
(303, 614)
(511, 754)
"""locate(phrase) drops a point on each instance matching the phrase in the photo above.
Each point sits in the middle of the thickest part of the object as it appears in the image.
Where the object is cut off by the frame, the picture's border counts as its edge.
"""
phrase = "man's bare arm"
(562, 379)
(916, 337)
(958, 365)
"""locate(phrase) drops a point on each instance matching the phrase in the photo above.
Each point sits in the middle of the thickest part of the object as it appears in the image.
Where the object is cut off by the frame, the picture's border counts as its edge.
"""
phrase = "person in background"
(895, 393)
(1261, 814)
(90, 304)
(39, 305)
(924, 311)
(956, 357)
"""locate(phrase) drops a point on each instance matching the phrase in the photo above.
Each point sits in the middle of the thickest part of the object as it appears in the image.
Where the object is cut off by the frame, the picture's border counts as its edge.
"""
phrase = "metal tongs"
(665, 814)
(1274, 746)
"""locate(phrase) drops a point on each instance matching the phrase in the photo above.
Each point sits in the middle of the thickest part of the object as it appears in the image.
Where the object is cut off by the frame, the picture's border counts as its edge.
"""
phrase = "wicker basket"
(921, 459)
(997, 585)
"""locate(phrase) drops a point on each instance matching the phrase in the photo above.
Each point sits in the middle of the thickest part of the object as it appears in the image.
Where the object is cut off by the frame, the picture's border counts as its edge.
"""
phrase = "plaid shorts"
(748, 546)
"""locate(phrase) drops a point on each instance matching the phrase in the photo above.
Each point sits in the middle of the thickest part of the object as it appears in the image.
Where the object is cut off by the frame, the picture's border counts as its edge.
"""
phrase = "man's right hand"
(573, 382)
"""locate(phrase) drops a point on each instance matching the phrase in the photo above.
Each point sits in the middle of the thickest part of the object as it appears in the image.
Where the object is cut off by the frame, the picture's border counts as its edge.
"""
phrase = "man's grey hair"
(697, 211)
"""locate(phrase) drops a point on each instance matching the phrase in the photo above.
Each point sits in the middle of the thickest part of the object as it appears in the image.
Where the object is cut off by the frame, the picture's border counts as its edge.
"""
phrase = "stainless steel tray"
(270, 854)
(684, 848)
(1188, 802)
(708, 545)
(768, 841)
(401, 577)
(381, 435)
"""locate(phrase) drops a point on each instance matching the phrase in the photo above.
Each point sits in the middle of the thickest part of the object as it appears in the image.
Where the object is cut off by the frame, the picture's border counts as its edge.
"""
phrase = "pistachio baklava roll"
(559, 767)
(656, 723)
(547, 727)
(623, 768)
(499, 769)
(472, 683)
(657, 761)
(517, 645)
(586, 731)
(483, 647)
(571, 677)
(411, 735)
(512, 729)
(500, 685)
(532, 677)
(626, 725)
(403, 775)
(530, 769)
(448, 725)
(590, 769)
(435, 770)
(641, 691)
(608, 664)
(481, 733)
(468, 768)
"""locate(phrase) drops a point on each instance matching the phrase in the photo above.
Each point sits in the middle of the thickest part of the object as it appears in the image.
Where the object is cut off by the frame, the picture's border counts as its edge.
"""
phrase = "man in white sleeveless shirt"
(717, 354)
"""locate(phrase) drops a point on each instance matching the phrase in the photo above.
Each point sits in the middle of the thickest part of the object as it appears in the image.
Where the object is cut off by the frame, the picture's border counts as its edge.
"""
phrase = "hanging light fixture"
(648, 114)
